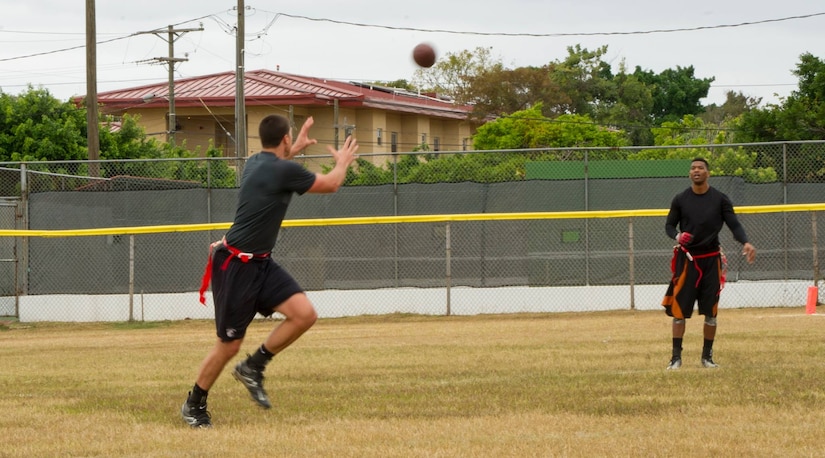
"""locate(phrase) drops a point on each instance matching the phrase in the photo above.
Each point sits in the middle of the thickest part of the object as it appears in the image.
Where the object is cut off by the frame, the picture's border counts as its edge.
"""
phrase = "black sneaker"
(196, 416)
(675, 363)
(707, 360)
(253, 380)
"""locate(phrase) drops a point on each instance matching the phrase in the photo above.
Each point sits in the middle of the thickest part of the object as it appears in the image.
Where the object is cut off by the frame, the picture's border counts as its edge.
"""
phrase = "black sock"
(198, 395)
(260, 358)
(707, 349)
(677, 347)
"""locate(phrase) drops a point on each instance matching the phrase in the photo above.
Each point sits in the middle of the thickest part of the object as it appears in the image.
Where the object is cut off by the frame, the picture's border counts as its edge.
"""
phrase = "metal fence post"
(131, 277)
(785, 241)
(449, 273)
(395, 213)
(587, 220)
(631, 263)
(23, 257)
(815, 248)
(208, 190)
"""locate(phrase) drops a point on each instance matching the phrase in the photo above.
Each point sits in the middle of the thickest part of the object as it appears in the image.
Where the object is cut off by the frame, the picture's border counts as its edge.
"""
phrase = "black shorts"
(244, 289)
(694, 282)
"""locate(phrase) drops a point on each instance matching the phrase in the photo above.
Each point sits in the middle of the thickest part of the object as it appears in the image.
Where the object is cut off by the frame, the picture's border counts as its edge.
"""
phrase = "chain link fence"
(506, 258)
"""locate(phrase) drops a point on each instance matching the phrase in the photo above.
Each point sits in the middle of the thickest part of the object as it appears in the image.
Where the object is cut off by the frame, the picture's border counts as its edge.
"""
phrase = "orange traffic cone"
(813, 295)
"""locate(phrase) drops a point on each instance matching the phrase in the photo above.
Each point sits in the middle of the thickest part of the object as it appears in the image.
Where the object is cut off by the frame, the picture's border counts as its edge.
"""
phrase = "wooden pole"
(240, 103)
(92, 129)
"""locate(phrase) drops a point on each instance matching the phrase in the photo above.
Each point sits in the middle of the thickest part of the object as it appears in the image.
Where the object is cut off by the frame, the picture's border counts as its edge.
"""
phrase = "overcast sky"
(754, 59)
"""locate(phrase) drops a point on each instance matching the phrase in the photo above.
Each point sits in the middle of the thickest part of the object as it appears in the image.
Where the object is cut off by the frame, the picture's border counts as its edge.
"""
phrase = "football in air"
(424, 55)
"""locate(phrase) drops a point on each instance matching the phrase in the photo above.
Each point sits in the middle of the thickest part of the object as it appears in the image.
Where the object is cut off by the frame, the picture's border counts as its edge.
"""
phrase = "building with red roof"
(383, 119)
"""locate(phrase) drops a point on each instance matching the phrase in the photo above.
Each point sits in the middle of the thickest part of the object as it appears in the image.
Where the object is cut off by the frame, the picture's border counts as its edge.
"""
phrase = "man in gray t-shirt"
(245, 279)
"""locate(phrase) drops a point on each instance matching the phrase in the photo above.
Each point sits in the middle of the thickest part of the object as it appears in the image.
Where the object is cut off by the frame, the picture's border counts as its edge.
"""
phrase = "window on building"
(436, 144)
(463, 144)
(378, 136)
(394, 142)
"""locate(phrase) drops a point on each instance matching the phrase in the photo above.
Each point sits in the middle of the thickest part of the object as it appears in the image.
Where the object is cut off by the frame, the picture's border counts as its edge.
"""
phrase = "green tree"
(452, 74)
(530, 129)
(523, 129)
(365, 173)
(584, 78)
(800, 116)
(735, 105)
(127, 142)
(498, 91)
(34, 126)
(692, 130)
(628, 107)
(676, 92)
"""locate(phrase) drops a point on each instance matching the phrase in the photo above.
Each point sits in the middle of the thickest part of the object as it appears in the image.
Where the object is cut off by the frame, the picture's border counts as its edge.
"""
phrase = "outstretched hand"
(749, 252)
(346, 155)
(302, 140)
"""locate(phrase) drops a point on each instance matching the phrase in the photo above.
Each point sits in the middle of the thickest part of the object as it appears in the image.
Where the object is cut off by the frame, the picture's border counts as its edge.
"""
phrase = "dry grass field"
(572, 384)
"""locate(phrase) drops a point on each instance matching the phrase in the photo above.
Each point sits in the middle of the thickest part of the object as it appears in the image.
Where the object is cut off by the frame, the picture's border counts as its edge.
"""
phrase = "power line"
(457, 32)
(55, 51)
(573, 34)
(36, 32)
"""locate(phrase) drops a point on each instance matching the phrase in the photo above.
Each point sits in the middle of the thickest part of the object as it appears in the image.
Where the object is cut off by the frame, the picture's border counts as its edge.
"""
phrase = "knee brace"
(678, 321)
(710, 320)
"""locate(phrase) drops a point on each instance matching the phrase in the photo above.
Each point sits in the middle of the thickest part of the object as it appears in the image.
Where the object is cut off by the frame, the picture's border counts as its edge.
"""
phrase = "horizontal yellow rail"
(395, 220)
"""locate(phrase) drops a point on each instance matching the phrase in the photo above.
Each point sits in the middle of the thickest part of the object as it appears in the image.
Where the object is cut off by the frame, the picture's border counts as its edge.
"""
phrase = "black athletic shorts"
(694, 282)
(244, 289)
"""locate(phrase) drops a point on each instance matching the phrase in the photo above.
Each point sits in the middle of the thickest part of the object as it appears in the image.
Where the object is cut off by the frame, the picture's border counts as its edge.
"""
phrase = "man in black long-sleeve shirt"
(699, 212)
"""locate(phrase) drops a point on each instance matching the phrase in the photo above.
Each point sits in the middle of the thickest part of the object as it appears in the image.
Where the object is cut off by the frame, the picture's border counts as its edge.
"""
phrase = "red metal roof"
(266, 87)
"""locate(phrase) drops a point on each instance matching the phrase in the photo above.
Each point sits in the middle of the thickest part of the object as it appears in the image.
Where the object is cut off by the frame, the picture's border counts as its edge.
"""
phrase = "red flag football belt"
(236, 253)
(691, 257)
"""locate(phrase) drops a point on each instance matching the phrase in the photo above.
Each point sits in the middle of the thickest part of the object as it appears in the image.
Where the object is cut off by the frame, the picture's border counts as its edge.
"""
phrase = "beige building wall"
(199, 128)
(297, 115)
(199, 125)
(153, 121)
(415, 131)
(372, 133)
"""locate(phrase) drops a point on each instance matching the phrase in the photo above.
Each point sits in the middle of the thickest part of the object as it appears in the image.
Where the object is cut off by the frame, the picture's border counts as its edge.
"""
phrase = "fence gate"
(9, 249)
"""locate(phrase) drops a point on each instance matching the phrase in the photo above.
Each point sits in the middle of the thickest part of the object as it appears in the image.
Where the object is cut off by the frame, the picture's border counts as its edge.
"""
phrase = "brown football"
(424, 55)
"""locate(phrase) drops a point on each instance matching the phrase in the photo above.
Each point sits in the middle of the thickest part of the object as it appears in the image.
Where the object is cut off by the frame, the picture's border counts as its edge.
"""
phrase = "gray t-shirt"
(266, 189)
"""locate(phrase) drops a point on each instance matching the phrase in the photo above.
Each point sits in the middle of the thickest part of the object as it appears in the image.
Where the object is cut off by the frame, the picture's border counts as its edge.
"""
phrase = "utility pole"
(92, 131)
(172, 36)
(240, 101)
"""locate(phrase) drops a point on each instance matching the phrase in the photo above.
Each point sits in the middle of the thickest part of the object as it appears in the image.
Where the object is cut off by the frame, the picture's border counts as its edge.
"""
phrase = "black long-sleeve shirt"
(703, 216)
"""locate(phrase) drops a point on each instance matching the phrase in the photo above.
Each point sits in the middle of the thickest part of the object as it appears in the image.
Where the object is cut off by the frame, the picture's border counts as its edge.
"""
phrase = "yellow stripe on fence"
(395, 220)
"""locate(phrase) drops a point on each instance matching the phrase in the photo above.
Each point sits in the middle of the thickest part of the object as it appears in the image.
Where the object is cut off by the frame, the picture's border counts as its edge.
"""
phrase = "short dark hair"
(272, 130)
(701, 159)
